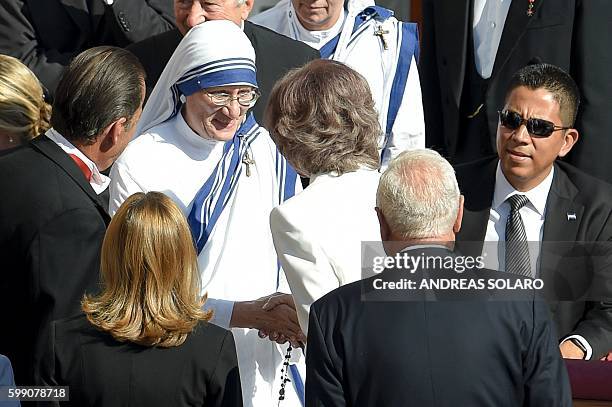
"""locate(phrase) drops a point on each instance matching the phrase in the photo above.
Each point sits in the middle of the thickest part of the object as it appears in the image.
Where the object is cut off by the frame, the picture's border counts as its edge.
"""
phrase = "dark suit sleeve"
(18, 38)
(430, 82)
(596, 324)
(136, 20)
(324, 382)
(545, 375)
(64, 261)
(225, 389)
(591, 61)
(47, 371)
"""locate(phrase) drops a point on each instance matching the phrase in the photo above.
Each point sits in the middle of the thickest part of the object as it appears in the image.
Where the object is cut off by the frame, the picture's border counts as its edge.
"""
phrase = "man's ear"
(111, 134)
(457, 225)
(246, 8)
(569, 140)
(385, 231)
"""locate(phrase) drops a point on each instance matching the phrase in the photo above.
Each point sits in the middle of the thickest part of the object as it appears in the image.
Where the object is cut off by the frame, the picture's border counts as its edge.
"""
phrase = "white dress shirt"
(316, 39)
(533, 220)
(487, 27)
(99, 182)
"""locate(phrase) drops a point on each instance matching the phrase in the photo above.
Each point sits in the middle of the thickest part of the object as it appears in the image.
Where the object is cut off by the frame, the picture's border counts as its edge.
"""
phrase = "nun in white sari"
(199, 146)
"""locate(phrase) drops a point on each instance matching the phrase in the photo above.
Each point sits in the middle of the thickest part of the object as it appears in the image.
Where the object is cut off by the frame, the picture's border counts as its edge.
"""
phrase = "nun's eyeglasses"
(246, 99)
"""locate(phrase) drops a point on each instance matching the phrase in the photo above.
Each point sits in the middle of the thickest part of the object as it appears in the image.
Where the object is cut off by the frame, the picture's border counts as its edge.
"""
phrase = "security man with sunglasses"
(530, 214)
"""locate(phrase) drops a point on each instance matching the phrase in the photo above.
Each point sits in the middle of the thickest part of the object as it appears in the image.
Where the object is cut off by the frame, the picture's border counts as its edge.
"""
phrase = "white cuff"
(580, 338)
(108, 2)
(222, 311)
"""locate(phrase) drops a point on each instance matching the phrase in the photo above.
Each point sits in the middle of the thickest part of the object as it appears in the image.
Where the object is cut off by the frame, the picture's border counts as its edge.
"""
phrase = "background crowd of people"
(158, 248)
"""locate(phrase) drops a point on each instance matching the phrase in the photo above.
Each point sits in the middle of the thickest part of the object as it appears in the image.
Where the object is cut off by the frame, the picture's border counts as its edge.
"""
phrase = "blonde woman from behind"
(144, 340)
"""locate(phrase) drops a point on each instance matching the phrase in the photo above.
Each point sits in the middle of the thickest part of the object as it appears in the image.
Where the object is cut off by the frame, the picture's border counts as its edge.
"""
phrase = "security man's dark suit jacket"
(275, 55)
(51, 230)
(45, 35)
(578, 209)
(572, 34)
(373, 348)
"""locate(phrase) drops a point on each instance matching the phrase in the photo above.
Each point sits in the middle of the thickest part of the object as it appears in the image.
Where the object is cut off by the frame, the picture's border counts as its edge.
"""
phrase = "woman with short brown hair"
(323, 120)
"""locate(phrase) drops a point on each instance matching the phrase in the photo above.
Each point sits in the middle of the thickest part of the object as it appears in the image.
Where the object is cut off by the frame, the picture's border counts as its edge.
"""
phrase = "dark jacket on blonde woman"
(144, 340)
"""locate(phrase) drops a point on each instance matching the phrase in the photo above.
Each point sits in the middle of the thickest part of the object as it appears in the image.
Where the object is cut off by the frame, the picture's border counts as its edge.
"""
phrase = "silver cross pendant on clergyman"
(380, 32)
(247, 160)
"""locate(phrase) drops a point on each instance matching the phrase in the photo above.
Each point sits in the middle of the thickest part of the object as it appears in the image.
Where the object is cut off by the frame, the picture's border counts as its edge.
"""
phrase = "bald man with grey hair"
(410, 206)
(423, 350)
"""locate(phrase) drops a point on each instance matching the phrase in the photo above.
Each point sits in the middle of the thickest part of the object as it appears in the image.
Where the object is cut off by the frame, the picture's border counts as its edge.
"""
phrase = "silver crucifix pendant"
(248, 161)
(380, 32)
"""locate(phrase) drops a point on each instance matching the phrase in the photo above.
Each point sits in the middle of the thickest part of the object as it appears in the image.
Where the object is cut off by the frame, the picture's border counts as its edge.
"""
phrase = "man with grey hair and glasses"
(369, 345)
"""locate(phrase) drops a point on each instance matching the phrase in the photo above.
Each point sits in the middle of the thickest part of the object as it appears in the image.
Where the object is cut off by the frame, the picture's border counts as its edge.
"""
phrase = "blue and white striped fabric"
(229, 71)
(365, 17)
(218, 189)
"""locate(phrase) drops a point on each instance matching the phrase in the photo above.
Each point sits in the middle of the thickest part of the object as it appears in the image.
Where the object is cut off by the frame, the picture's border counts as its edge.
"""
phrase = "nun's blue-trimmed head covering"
(214, 53)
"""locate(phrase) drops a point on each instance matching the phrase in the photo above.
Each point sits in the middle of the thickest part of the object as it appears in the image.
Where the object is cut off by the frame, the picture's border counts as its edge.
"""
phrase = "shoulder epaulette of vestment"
(377, 12)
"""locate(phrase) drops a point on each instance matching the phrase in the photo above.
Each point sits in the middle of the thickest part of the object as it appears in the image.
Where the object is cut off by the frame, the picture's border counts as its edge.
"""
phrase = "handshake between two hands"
(281, 324)
(273, 316)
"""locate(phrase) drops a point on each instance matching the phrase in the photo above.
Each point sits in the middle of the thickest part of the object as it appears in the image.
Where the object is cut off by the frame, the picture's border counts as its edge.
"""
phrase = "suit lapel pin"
(571, 216)
(530, 7)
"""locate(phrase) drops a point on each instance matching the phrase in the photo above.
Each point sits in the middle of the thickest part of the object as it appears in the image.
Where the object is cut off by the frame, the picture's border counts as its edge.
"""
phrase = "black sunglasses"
(536, 127)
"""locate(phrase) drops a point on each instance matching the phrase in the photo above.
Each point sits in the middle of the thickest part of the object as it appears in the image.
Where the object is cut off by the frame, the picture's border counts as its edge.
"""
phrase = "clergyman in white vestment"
(374, 43)
(199, 146)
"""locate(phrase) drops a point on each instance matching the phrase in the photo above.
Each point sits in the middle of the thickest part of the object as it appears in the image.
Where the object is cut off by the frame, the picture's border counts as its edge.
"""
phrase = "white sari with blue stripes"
(237, 259)
(227, 190)
(393, 77)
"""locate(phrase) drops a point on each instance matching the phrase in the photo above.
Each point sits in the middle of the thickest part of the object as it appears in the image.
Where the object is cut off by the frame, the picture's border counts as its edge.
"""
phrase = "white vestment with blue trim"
(391, 73)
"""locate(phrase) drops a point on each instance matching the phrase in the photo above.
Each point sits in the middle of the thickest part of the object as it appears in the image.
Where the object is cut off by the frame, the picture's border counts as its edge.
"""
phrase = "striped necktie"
(517, 249)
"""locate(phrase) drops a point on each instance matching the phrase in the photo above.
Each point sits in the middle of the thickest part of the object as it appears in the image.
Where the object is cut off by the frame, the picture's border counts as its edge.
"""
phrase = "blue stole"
(217, 191)
(213, 197)
(327, 51)
(407, 37)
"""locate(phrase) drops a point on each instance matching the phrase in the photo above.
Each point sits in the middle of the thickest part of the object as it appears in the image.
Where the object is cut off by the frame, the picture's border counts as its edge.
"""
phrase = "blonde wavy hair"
(23, 110)
(150, 280)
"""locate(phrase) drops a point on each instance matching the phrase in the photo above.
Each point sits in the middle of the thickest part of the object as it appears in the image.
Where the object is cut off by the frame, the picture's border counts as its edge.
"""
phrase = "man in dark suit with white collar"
(53, 221)
(275, 54)
(370, 346)
(525, 194)
(471, 49)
